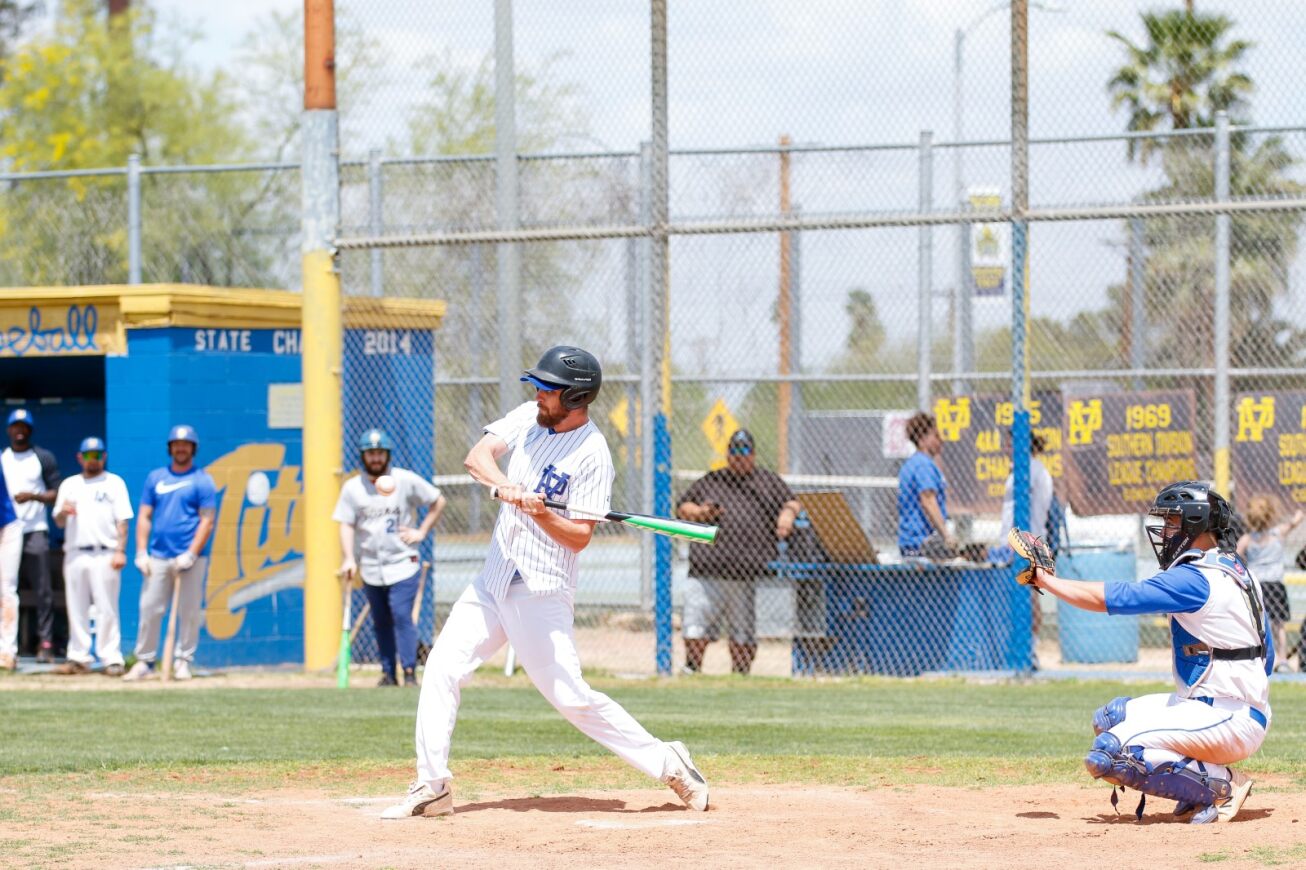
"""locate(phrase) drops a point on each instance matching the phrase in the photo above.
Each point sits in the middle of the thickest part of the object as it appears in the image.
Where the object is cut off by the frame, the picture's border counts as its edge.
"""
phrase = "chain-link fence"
(820, 292)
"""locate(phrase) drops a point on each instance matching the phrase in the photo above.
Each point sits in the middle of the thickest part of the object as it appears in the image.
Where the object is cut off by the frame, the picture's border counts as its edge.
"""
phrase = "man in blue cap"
(94, 508)
(32, 476)
(178, 505)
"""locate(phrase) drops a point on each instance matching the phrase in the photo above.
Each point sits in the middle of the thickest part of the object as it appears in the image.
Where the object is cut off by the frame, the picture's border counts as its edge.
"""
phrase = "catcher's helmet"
(182, 432)
(375, 439)
(1199, 509)
(574, 371)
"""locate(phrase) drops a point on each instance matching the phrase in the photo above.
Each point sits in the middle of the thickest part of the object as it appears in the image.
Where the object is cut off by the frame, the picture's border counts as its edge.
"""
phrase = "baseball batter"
(379, 539)
(94, 508)
(1179, 745)
(11, 556)
(524, 594)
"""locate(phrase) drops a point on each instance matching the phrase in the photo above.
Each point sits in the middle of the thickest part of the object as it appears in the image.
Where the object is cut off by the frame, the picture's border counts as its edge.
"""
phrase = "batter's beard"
(548, 421)
(376, 469)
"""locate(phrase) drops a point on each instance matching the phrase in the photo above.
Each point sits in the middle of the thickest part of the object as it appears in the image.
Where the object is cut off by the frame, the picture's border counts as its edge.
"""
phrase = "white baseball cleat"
(1242, 787)
(139, 671)
(181, 670)
(422, 800)
(684, 779)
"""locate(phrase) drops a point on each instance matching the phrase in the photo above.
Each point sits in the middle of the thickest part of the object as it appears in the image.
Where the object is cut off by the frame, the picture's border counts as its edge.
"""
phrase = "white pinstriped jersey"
(573, 467)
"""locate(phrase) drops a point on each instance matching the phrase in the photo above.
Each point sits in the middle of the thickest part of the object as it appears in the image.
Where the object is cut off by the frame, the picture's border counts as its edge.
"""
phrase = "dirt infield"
(747, 826)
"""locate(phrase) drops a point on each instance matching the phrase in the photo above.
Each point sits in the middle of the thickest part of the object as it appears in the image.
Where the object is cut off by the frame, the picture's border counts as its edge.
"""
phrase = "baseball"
(258, 488)
(385, 484)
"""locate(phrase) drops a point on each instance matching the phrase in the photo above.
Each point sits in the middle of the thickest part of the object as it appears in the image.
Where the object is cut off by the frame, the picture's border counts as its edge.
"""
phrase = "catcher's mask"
(1190, 507)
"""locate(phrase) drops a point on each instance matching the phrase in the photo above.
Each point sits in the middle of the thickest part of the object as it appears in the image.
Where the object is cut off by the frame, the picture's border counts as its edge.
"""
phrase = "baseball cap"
(92, 443)
(21, 415)
(741, 442)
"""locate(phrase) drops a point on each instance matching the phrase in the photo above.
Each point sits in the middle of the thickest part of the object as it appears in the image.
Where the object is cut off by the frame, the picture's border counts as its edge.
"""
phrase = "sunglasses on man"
(92, 454)
(740, 450)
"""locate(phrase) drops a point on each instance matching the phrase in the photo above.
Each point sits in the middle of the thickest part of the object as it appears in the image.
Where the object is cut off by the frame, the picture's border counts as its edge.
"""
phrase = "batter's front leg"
(472, 633)
(540, 630)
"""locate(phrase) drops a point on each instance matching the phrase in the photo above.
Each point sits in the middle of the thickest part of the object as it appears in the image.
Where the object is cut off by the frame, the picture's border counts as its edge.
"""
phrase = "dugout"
(128, 362)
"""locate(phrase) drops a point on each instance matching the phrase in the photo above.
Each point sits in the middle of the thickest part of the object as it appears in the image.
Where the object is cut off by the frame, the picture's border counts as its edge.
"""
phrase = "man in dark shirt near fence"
(754, 508)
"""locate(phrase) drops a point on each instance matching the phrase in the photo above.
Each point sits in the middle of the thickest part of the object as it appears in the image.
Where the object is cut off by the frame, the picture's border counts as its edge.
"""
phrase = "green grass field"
(846, 732)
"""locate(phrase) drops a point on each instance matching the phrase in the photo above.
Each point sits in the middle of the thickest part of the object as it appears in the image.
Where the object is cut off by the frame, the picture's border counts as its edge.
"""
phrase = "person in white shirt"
(94, 508)
(525, 593)
(379, 539)
(32, 475)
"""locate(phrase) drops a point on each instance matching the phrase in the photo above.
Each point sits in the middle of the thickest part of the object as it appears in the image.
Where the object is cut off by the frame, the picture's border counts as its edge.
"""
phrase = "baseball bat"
(699, 533)
(346, 638)
(170, 639)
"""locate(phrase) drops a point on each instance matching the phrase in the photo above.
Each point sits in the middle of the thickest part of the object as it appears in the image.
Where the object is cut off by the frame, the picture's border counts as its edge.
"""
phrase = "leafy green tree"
(1188, 70)
(1184, 73)
(87, 95)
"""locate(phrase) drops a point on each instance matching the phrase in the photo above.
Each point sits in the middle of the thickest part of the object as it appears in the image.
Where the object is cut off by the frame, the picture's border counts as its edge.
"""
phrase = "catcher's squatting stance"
(1178, 746)
(525, 592)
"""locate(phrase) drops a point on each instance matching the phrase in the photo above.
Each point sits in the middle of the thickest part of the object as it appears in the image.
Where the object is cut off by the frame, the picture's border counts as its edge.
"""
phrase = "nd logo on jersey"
(552, 482)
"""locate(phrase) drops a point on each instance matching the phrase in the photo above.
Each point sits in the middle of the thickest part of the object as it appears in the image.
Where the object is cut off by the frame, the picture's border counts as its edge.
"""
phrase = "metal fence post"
(134, 219)
(647, 369)
(797, 410)
(506, 201)
(659, 301)
(475, 412)
(1137, 298)
(374, 213)
(1222, 254)
(924, 278)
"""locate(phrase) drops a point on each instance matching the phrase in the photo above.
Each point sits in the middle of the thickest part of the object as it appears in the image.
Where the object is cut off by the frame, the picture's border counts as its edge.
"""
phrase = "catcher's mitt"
(1035, 549)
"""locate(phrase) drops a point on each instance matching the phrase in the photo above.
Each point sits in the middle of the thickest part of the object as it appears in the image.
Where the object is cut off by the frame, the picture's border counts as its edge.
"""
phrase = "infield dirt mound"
(904, 827)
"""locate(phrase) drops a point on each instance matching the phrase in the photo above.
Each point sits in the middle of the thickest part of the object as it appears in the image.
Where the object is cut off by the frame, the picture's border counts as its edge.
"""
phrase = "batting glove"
(143, 563)
(184, 561)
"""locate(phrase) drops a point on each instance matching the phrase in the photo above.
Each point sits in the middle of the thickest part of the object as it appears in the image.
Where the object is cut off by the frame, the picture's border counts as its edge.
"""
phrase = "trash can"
(1087, 637)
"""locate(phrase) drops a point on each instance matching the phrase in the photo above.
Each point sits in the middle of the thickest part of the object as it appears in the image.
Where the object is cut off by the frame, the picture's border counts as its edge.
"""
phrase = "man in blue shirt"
(173, 526)
(923, 494)
(1178, 745)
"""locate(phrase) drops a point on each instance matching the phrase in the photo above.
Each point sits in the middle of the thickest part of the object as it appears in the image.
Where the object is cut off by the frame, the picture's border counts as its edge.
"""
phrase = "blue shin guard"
(1185, 781)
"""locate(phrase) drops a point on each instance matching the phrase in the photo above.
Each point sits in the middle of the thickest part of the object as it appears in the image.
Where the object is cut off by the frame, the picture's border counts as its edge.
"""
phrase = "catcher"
(1179, 745)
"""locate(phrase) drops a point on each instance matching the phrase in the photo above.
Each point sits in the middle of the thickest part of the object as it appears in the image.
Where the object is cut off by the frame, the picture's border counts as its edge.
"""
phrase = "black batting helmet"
(574, 371)
(1199, 509)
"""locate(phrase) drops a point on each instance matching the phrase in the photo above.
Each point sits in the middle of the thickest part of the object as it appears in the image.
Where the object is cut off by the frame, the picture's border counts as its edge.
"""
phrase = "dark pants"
(392, 617)
(34, 573)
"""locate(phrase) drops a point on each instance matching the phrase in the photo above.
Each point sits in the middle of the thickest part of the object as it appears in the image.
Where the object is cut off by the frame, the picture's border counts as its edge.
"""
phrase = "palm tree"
(1184, 74)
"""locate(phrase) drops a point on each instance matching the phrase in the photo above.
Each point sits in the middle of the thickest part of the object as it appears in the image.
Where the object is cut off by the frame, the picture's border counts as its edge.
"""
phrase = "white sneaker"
(684, 778)
(422, 800)
(1242, 787)
(140, 671)
(181, 670)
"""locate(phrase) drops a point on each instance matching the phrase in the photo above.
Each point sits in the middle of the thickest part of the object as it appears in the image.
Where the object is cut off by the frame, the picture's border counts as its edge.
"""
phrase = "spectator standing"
(754, 508)
(1262, 548)
(923, 494)
(32, 476)
(94, 508)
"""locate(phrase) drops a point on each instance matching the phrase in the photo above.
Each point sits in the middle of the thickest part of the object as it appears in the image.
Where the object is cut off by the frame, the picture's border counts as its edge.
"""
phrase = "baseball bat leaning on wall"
(346, 637)
(699, 533)
(170, 637)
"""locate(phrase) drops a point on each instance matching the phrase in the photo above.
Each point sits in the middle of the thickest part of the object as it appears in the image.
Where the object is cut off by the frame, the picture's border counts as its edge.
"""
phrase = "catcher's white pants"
(156, 595)
(89, 578)
(539, 627)
(11, 554)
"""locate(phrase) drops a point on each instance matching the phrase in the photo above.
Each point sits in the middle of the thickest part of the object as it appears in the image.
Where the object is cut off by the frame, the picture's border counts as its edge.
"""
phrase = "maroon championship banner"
(1122, 447)
(976, 434)
(1269, 445)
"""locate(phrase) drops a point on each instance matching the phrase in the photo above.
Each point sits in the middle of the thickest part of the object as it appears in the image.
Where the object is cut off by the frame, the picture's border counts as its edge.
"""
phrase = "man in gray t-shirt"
(376, 511)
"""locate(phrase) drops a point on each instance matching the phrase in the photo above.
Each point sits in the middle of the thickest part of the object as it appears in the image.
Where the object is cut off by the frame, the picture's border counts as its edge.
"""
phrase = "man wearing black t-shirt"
(754, 508)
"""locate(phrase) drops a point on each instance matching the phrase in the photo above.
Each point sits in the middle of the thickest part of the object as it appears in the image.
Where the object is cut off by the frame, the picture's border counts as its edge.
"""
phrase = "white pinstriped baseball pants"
(539, 627)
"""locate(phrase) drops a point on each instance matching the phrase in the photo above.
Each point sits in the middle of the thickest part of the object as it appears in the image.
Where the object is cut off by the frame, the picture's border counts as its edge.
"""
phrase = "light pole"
(962, 331)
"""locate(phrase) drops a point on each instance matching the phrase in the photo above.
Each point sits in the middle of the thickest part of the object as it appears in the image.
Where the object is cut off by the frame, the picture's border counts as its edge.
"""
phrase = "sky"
(835, 72)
